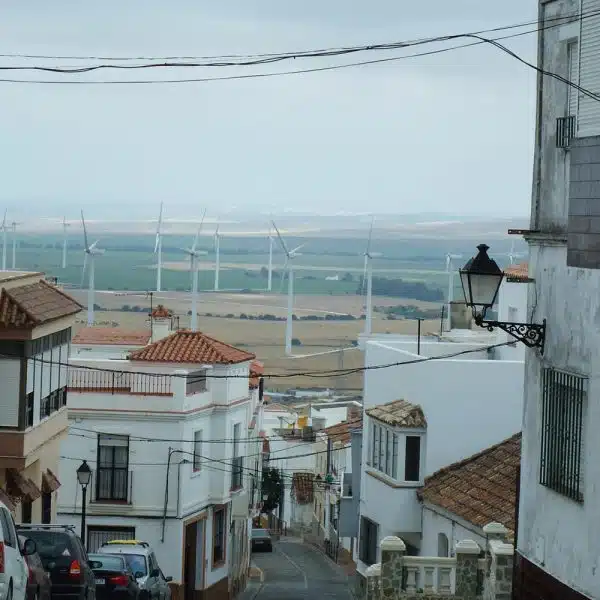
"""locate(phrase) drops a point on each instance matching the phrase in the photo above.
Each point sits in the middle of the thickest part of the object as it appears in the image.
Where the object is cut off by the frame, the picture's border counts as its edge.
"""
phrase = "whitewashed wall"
(512, 306)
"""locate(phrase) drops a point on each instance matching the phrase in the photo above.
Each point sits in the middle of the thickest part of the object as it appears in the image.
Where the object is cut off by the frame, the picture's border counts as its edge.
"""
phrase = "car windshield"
(137, 563)
(52, 544)
(107, 563)
(260, 533)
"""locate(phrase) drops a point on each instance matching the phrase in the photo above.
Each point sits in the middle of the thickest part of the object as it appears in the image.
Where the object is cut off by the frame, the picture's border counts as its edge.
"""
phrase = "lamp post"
(84, 474)
(481, 278)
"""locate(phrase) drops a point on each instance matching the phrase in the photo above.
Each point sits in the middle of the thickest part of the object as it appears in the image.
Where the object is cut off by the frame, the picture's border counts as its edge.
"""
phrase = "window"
(561, 458)
(412, 460)
(98, 535)
(113, 467)
(8, 528)
(46, 507)
(368, 541)
(384, 450)
(197, 450)
(443, 545)
(44, 407)
(218, 536)
(237, 464)
(26, 511)
(29, 410)
(196, 383)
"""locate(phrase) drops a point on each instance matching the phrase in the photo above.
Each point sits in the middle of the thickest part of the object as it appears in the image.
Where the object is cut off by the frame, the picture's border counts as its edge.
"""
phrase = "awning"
(50, 482)
(8, 501)
(21, 487)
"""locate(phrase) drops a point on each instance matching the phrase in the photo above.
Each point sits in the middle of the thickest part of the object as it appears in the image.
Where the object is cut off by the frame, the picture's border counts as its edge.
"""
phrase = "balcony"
(88, 380)
(111, 486)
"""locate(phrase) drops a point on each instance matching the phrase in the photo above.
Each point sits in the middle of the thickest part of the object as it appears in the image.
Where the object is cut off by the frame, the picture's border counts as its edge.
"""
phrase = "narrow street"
(297, 571)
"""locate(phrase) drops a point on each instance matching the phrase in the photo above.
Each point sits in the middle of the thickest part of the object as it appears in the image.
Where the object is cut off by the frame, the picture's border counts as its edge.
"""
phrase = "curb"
(256, 574)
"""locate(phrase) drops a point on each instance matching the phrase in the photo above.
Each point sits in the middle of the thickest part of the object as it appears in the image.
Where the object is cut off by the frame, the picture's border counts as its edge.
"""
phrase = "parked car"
(114, 578)
(261, 541)
(39, 586)
(13, 568)
(142, 561)
(65, 559)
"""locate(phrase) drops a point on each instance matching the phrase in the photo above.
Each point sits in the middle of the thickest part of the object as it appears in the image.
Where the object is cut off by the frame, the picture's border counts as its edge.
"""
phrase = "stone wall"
(472, 574)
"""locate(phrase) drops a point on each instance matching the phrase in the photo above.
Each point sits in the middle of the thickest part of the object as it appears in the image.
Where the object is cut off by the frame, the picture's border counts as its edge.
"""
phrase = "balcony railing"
(87, 380)
(111, 485)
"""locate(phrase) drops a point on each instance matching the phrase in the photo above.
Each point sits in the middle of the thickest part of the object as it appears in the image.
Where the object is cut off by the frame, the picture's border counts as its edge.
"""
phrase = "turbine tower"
(368, 279)
(217, 257)
(14, 243)
(4, 241)
(193, 253)
(512, 254)
(91, 252)
(450, 273)
(288, 265)
(158, 250)
(64, 248)
(270, 267)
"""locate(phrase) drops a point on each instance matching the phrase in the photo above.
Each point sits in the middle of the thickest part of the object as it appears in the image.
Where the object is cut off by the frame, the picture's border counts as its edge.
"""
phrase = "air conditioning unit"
(565, 131)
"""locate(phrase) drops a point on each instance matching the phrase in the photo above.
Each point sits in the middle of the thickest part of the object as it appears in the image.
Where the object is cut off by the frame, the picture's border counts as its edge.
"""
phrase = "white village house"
(166, 433)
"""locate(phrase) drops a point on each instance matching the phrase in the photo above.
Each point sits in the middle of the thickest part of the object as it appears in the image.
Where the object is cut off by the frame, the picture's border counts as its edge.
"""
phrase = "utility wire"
(480, 40)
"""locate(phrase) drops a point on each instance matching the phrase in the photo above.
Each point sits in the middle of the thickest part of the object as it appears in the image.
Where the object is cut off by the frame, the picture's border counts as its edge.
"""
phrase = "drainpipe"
(164, 520)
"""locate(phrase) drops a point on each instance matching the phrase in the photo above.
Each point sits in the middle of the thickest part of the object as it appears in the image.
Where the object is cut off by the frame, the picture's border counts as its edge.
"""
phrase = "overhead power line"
(479, 40)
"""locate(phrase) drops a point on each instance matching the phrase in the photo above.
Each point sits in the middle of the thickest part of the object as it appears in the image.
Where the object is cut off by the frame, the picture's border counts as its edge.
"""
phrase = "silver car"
(141, 559)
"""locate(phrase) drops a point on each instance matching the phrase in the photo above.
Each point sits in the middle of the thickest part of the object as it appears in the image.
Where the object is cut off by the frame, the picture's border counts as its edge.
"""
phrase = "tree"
(272, 488)
(347, 277)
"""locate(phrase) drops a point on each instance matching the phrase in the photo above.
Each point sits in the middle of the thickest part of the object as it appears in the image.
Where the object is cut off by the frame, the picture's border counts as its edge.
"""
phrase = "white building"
(558, 540)
(166, 435)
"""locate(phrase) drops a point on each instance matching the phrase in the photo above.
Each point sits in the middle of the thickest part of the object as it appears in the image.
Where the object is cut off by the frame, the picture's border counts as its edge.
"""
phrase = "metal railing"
(565, 131)
(87, 380)
(111, 485)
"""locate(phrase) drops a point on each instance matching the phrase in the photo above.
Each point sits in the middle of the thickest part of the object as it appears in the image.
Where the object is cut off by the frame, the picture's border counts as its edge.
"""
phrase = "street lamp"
(84, 475)
(481, 278)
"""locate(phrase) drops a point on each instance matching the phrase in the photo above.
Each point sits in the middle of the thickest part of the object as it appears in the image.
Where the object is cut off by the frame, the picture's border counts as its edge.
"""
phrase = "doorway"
(191, 537)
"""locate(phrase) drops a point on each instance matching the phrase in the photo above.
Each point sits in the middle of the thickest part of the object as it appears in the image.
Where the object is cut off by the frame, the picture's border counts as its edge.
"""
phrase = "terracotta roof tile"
(191, 347)
(399, 413)
(111, 336)
(160, 312)
(517, 273)
(340, 432)
(34, 304)
(303, 487)
(256, 370)
(480, 489)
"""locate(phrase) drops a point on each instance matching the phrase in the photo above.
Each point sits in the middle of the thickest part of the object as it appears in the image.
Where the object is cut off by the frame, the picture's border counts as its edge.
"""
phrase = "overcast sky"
(451, 132)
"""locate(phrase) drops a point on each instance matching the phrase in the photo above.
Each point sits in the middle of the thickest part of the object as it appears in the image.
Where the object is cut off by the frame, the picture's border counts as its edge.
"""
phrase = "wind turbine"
(270, 265)
(512, 254)
(368, 279)
(14, 243)
(193, 253)
(289, 257)
(4, 241)
(217, 257)
(450, 273)
(158, 249)
(64, 248)
(90, 252)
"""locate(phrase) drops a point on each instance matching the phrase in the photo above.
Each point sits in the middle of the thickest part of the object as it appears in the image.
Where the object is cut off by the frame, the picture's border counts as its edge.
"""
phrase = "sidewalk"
(254, 585)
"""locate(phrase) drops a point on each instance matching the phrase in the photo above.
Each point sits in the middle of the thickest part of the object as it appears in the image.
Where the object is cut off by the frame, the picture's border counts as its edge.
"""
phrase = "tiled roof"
(111, 336)
(34, 304)
(341, 431)
(160, 312)
(256, 370)
(517, 273)
(276, 407)
(302, 487)
(191, 347)
(480, 489)
(399, 413)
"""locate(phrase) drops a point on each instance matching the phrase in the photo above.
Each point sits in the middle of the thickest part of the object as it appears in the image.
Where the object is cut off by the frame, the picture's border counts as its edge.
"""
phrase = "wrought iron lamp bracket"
(532, 335)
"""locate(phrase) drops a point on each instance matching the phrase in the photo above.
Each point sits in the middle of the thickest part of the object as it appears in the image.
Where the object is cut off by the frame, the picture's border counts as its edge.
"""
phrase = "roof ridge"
(465, 461)
(62, 293)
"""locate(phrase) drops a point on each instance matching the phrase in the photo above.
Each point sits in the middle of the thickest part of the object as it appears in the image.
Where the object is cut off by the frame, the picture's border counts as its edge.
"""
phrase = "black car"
(39, 586)
(65, 559)
(261, 541)
(114, 577)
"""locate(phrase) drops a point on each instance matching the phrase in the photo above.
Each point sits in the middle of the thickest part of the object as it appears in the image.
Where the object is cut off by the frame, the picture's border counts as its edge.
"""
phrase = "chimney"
(161, 323)
(353, 413)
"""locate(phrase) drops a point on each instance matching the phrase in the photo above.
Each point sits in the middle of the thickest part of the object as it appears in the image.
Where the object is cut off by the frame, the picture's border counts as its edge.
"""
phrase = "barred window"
(564, 398)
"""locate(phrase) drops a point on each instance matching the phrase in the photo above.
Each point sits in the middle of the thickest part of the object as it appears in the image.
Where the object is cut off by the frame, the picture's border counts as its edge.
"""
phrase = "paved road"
(297, 571)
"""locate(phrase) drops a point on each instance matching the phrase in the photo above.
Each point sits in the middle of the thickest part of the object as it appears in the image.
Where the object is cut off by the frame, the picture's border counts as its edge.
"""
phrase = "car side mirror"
(29, 547)
(168, 579)
(139, 574)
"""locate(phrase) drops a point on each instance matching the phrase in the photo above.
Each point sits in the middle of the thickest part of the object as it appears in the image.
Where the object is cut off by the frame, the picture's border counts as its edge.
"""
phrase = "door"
(15, 562)
(191, 538)
(200, 552)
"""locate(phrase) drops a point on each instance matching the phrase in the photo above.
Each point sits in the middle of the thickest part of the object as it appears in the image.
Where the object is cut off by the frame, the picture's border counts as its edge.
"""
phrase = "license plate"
(100, 581)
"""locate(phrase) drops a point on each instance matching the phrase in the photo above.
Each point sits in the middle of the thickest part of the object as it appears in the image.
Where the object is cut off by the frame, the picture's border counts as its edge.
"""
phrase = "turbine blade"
(156, 242)
(370, 235)
(297, 248)
(198, 232)
(85, 259)
(159, 225)
(85, 237)
(281, 240)
(364, 277)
